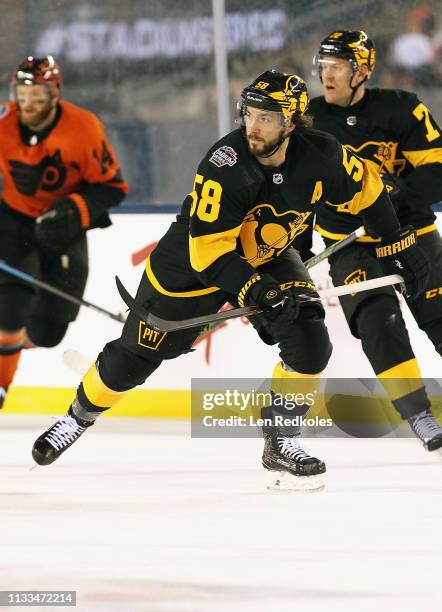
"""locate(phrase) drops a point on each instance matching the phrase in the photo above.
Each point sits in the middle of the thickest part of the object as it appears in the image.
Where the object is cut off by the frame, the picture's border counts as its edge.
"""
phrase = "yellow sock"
(97, 393)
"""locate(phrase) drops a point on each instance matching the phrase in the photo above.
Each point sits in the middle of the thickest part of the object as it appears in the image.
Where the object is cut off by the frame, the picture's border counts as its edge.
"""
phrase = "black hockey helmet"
(276, 91)
(354, 46)
(38, 71)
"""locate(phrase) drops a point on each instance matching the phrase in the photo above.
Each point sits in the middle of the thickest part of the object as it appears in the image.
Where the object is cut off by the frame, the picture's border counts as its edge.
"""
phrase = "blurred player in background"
(396, 132)
(60, 176)
(253, 199)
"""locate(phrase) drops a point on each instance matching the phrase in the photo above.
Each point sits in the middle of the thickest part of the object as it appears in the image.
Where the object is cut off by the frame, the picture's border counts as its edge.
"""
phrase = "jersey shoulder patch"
(224, 156)
(230, 162)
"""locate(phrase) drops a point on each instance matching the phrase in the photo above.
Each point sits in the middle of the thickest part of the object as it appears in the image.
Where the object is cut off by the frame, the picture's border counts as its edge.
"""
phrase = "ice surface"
(138, 516)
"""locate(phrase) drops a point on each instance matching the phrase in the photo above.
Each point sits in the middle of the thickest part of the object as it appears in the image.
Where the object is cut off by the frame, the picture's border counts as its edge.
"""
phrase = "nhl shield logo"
(277, 178)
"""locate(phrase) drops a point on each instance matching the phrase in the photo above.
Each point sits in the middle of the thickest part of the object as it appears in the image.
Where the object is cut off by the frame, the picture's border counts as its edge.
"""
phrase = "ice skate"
(295, 469)
(55, 440)
(427, 429)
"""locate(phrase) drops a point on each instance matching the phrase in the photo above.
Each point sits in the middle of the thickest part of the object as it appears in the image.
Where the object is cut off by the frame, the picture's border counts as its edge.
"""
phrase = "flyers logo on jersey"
(265, 233)
(49, 174)
(148, 337)
(354, 277)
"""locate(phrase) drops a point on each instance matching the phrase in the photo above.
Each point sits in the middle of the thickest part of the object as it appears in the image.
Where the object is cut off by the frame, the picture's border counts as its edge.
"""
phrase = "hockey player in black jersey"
(397, 133)
(253, 200)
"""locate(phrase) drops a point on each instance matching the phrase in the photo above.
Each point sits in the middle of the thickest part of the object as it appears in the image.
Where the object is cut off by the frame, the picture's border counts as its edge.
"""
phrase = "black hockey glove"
(58, 227)
(399, 253)
(265, 292)
(394, 185)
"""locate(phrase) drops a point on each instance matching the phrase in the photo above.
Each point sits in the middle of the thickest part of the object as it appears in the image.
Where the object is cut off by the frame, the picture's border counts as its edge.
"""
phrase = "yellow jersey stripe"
(420, 158)
(426, 230)
(204, 250)
(179, 294)
(333, 236)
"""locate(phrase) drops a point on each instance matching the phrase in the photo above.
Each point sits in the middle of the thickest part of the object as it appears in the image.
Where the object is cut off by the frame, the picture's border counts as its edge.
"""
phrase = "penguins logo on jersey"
(265, 233)
(384, 154)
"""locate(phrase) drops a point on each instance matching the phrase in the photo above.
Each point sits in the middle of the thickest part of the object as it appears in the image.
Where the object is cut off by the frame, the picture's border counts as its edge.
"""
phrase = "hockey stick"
(334, 248)
(164, 325)
(58, 292)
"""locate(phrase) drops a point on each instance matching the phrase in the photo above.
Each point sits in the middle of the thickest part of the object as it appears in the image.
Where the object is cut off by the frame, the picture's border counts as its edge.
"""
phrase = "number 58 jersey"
(241, 214)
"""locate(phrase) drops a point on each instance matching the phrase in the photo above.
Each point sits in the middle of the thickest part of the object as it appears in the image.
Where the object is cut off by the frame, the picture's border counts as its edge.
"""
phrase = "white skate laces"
(292, 448)
(64, 432)
(425, 426)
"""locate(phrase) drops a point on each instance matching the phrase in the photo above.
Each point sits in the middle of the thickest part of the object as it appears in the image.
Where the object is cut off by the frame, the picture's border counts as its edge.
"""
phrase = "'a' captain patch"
(148, 337)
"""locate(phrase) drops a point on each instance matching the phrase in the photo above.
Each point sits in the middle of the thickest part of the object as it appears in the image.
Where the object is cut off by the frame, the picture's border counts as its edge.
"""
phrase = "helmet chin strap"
(276, 147)
(354, 88)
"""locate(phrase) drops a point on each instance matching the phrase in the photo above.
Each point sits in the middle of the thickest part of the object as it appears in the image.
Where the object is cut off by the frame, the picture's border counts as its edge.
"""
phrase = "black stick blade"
(130, 302)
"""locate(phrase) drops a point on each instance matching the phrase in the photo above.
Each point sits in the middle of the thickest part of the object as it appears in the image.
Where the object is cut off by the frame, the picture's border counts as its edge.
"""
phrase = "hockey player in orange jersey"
(60, 176)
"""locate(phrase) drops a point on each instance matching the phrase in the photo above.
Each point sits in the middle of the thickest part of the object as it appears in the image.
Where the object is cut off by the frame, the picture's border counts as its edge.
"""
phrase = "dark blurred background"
(147, 68)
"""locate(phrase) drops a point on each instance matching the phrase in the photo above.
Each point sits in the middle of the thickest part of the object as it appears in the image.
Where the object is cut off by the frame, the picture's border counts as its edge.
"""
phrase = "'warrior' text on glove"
(399, 253)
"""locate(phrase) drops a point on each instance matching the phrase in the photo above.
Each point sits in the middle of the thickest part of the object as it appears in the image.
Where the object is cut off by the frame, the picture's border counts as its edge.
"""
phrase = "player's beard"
(263, 148)
(36, 118)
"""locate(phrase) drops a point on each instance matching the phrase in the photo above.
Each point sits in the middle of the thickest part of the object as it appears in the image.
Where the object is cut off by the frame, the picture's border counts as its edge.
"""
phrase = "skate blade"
(283, 482)
(76, 361)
